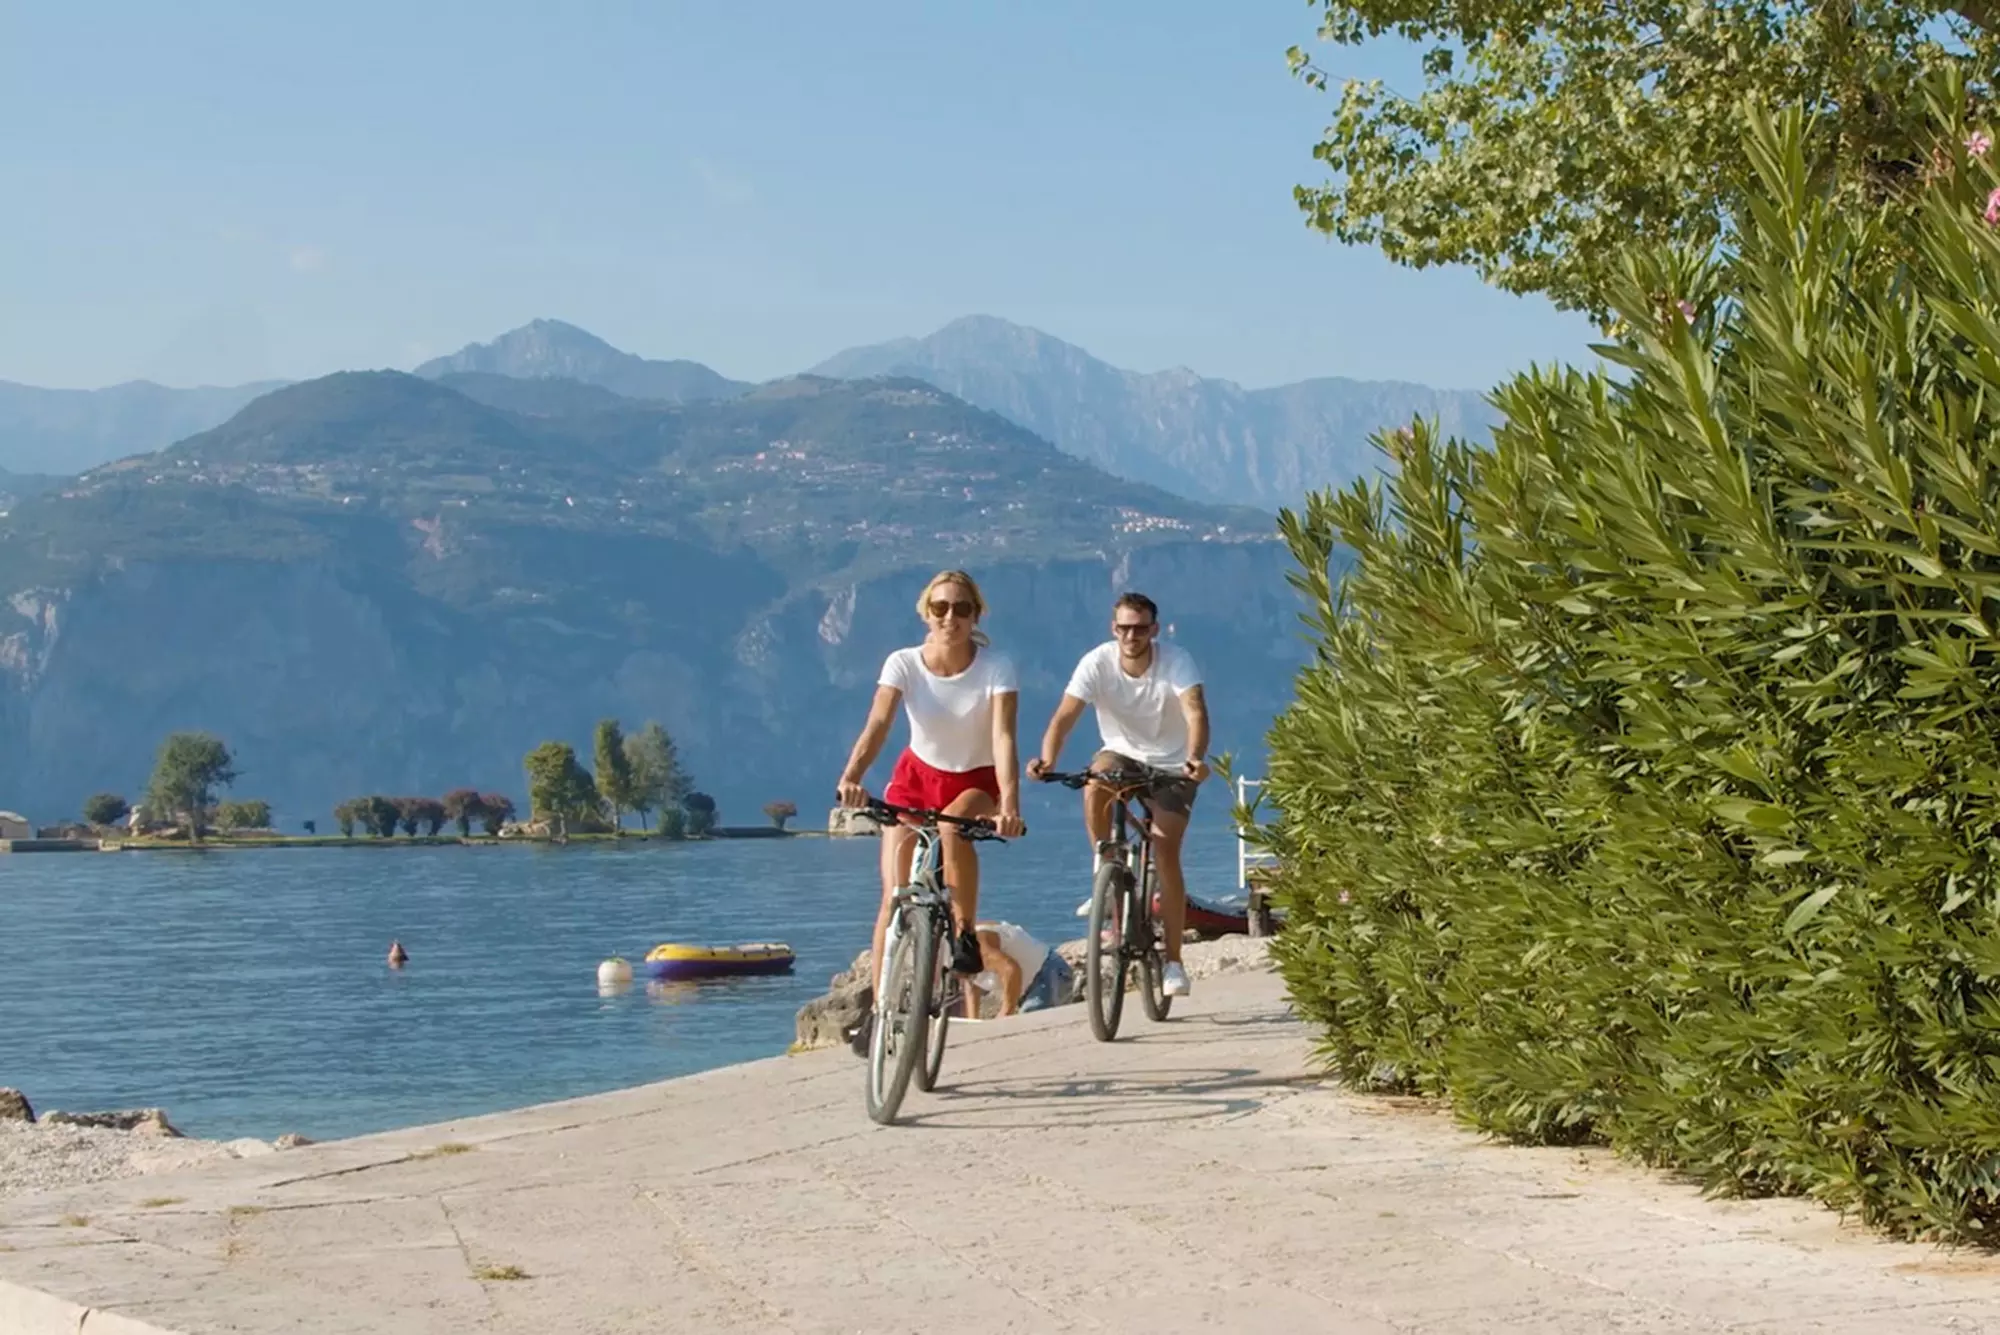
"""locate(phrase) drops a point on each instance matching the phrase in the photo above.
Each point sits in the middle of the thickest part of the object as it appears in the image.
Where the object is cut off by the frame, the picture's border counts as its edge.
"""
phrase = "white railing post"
(1247, 858)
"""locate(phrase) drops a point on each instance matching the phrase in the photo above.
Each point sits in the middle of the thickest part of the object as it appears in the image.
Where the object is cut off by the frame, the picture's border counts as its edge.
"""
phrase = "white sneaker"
(1174, 980)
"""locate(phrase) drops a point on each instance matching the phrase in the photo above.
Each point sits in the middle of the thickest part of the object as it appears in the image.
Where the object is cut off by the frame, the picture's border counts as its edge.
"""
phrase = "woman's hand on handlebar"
(852, 795)
(1008, 824)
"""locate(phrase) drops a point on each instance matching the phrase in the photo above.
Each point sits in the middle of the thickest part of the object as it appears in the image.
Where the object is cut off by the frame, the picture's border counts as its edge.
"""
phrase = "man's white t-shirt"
(951, 718)
(1140, 716)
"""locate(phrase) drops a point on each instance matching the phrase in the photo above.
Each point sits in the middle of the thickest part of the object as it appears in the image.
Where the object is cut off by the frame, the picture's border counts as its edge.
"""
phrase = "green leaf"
(1808, 909)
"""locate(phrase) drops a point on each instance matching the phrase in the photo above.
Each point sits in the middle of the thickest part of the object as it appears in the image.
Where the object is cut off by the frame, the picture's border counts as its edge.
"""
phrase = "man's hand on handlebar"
(1039, 767)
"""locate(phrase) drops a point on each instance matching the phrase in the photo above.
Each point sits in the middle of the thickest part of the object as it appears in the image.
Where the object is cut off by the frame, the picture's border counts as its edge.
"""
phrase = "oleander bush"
(1645, 787)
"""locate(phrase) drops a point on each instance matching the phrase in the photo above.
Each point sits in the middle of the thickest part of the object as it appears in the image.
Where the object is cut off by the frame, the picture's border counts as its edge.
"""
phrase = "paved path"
(1193, 1178)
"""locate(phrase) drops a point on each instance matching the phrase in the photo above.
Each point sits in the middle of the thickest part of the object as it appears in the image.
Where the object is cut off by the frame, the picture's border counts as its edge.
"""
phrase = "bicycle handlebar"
(979, 827)
(1114, 778)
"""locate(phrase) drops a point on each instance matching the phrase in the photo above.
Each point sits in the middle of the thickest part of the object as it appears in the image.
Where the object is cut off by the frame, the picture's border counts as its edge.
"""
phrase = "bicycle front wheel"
(902, 1015)
(942, 995)
(1104, 959)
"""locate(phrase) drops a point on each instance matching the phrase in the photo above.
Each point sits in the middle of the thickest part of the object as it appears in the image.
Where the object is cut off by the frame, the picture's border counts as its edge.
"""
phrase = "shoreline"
(118, 844)
(49, 1156)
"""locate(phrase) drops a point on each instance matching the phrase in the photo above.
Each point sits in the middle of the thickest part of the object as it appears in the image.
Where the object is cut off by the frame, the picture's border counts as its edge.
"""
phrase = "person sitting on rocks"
(1025, 973)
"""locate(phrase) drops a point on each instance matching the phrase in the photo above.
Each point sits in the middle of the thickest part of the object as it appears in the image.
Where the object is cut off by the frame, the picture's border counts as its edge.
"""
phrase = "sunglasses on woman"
(961, 607)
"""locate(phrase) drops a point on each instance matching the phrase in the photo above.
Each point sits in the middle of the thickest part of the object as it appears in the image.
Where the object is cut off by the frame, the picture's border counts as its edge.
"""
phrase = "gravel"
(40, 1157)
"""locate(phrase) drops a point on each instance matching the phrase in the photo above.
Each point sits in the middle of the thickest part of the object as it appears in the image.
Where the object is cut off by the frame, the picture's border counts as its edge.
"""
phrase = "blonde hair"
(971, 587)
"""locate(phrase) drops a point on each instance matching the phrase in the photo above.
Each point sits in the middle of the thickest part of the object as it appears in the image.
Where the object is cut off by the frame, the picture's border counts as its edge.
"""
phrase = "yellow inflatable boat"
(674, 961)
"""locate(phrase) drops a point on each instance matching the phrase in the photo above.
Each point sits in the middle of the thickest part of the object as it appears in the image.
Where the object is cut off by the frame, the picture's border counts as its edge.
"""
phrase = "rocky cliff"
(329, 680)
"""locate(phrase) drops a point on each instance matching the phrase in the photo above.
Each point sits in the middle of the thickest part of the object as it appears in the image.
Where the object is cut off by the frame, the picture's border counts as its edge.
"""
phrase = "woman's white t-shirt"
(951, 718)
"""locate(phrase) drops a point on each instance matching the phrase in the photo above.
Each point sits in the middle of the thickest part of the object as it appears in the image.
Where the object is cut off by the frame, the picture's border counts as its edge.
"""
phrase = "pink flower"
(1343, 896)
(1687, 309)
(1977, 143)
(1993, 207)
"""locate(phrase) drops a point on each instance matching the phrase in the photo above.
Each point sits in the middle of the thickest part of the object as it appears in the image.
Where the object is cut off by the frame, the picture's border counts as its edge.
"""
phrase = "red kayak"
(1207, 920)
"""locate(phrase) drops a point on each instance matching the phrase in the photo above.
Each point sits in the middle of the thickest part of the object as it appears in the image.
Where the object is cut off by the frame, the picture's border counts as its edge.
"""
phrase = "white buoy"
(613, 971)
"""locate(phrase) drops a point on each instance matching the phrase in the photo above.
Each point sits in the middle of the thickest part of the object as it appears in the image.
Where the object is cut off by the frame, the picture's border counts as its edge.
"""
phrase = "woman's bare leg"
(898, 843)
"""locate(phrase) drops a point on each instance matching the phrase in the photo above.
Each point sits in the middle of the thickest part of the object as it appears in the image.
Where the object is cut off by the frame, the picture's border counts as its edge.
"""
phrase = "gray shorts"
(1176, 797)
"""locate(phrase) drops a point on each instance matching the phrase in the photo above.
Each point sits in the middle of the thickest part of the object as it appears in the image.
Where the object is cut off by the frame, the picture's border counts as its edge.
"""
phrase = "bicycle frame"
(924, 886)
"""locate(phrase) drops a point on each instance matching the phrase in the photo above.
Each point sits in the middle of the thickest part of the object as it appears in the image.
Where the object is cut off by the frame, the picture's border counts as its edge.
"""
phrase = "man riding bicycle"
(1151, 715)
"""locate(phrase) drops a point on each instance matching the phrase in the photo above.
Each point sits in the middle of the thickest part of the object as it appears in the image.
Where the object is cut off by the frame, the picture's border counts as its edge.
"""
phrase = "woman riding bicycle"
(961, 698)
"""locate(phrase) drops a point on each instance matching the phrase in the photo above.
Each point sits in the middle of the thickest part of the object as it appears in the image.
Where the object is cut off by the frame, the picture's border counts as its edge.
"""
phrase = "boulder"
(14, 1106)
(141, 1121)
(291, 1140)
(844, 821)
(824, 1021)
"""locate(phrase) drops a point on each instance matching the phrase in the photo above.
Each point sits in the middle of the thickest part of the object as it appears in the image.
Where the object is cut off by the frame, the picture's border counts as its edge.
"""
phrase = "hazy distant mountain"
(550, 348)
(1208, 439)
(543, 396)
(69, 430)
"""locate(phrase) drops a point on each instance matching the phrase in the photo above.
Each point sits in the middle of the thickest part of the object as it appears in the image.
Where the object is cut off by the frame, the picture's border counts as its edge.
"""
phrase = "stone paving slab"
(1194, 1176)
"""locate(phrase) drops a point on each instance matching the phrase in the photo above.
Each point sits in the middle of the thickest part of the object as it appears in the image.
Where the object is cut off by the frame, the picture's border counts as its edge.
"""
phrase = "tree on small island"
(190, 767)
(658, 782)
(560, 788)
(379, 815)
(701, 817)
(615, 773)
(462, 807)
(248, 815)
(780, 812)
(311, 827)
(345, 816)
(105, 809)
(495, 810)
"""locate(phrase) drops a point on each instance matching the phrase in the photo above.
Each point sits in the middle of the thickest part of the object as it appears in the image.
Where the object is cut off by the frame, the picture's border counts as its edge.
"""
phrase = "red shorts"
(915, 784)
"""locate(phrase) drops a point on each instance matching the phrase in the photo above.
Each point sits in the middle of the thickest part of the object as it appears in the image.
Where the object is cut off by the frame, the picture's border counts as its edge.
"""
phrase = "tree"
(1639, 785)
(701, 818)
(658, 782)
(430, 815)
(780, 812)
(105, 809)
(1549, 137)
(614, 772)
(311, 827)
(558, 787)
(381, 816)
(190, 767)
(409, 814)
(495, 810)
(345, 815)
(462, 808)
(248, 815)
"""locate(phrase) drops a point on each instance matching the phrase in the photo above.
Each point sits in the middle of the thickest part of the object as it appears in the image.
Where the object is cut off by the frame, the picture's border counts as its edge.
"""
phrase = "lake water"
(247, 993)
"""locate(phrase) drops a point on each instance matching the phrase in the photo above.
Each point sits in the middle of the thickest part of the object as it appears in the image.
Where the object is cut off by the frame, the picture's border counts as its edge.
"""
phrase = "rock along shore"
(70, 1149)
(824, 1021)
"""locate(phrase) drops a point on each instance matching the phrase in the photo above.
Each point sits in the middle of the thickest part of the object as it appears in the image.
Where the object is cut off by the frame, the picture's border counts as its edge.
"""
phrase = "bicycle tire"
(1105, 997)
(1152, 965)
(940, 1014)
(901, 1022)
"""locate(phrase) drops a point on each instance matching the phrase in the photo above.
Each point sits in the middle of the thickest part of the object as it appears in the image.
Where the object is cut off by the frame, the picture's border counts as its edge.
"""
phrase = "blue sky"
(218, 192)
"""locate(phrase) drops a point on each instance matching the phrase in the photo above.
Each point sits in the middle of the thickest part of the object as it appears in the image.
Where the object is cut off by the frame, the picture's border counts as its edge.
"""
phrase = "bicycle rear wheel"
(1152, 965)
(902, 1015)
(1104, 962)
(942, 995)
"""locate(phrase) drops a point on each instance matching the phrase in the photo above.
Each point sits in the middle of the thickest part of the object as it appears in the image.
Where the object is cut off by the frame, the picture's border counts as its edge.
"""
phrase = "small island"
(635, 775)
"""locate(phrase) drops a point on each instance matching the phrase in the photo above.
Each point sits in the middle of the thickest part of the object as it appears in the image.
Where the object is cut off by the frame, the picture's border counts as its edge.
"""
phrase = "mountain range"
(384, 582)
(1206, 439)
